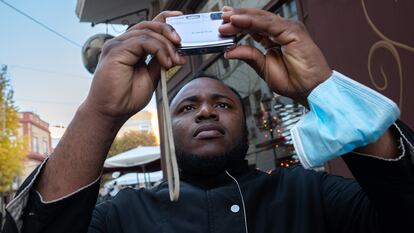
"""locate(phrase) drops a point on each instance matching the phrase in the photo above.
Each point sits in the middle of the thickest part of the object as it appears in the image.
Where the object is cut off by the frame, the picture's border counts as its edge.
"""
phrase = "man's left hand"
(292, 66)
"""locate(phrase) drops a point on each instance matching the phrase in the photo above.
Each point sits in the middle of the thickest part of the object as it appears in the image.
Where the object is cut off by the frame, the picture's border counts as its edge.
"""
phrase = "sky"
(46, 71)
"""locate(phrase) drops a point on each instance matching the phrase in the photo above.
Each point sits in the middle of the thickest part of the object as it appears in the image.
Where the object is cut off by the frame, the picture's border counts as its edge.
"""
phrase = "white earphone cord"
(241, 195)
(173, 176)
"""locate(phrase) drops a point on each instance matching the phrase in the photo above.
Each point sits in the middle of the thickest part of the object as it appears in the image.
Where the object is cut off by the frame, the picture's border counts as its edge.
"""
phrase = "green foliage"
(13, 147)
(130, 140)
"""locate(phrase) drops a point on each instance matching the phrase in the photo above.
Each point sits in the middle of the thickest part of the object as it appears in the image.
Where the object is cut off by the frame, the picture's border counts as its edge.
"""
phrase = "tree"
(130, 140)
(13, 148)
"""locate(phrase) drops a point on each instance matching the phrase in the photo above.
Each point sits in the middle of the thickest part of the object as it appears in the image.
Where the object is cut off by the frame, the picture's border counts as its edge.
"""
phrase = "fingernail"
(177, 56)
(171, 28)
(227, 8)
(231, 47)
(175, 35)
(225, 55)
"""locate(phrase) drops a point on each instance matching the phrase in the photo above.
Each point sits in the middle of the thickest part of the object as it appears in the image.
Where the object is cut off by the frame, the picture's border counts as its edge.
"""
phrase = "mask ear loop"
(173, 177)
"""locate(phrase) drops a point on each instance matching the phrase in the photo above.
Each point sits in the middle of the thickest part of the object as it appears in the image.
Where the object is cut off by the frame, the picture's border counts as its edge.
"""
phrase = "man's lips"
(208, 134)
(208, 131)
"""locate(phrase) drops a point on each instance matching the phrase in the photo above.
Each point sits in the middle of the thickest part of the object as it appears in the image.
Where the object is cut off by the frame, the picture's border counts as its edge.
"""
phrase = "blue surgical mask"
(344, 115)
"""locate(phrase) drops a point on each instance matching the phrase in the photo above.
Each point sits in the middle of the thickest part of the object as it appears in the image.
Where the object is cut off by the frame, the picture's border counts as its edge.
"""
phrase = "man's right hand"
(123, 85)
(123, 82)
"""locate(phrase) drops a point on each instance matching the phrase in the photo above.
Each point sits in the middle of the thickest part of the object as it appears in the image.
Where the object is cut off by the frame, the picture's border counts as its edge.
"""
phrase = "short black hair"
(204, 75)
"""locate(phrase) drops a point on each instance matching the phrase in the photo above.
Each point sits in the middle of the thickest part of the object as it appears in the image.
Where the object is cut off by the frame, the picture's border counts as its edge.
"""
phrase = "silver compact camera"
(199, 33)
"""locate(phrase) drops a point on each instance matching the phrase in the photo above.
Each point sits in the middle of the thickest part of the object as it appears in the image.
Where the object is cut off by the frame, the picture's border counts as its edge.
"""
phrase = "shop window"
(35, 144)
(45, 147)
(145, 127)
(288, 10)
(247, 107)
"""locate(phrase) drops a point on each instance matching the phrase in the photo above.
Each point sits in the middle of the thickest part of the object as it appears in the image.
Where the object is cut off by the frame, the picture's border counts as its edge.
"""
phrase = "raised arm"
(60, 196)
(293, 65)
(123, 85)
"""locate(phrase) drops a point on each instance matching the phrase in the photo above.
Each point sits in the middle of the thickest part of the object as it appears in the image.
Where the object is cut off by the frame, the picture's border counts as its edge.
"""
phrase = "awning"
(143, 158)
(126, 12)
(135, 178)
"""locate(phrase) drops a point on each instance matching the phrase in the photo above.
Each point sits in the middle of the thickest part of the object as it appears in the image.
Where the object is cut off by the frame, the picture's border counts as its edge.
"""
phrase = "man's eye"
(223, 105)
(187, 108)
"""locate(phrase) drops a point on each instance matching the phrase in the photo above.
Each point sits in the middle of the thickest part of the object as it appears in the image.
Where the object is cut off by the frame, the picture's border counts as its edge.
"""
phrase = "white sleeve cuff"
(404, 151)
(17, 205)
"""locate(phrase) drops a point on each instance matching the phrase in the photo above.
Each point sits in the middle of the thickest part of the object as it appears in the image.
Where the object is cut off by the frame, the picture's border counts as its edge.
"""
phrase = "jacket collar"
(237, 169)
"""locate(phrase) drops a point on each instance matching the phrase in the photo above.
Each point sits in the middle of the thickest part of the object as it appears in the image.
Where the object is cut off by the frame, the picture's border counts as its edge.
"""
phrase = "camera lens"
(215, 16)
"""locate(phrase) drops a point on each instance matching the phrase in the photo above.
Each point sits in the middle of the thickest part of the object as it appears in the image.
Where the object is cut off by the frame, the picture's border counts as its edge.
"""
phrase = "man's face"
(207, 119)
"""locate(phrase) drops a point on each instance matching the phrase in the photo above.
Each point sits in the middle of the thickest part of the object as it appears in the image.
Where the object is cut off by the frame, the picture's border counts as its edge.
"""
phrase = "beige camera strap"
(173, 176)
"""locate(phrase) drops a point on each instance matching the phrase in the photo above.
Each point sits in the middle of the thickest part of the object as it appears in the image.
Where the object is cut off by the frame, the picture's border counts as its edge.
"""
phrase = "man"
(218, 192)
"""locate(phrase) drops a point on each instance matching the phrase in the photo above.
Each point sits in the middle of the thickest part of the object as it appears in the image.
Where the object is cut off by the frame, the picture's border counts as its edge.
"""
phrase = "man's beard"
(206, 166)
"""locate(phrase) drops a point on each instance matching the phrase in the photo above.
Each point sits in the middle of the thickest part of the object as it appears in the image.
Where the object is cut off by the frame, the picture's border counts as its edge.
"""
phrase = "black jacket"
(287, 200)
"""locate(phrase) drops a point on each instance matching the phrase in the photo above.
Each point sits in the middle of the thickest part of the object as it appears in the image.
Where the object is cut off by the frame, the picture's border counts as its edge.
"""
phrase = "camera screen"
(199, 29)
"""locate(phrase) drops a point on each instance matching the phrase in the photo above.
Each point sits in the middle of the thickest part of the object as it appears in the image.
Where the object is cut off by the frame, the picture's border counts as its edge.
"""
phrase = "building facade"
(141, 121)
(144, 121)
(39, 141)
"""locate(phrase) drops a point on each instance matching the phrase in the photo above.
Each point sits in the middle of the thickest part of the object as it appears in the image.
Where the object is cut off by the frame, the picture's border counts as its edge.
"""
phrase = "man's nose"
(206, 112)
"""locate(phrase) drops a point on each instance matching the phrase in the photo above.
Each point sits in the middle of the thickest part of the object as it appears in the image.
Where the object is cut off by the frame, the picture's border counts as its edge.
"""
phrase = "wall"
(371, 42)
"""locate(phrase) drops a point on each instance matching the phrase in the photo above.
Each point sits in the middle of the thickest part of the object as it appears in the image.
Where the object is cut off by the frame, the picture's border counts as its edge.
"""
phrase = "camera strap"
(173, 176)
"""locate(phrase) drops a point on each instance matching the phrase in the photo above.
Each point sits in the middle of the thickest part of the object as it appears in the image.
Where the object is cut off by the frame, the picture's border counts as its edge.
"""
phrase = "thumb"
(251, 55)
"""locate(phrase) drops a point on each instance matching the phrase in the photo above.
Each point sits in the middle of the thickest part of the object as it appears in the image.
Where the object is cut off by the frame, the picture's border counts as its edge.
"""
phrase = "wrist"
(95, 118)
(303, 96)
(386, 147)
(78, 158)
